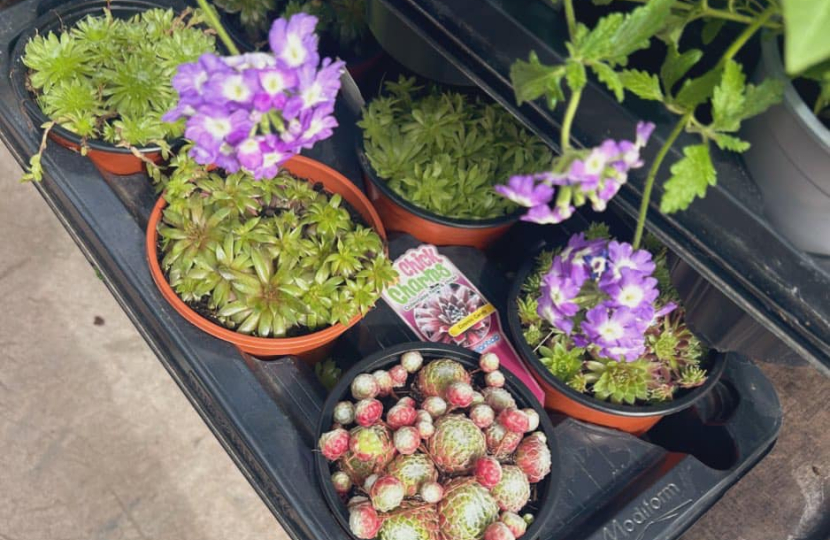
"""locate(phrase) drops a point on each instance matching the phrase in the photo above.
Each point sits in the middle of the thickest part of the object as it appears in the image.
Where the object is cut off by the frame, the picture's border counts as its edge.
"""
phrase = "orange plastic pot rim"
(286, 345)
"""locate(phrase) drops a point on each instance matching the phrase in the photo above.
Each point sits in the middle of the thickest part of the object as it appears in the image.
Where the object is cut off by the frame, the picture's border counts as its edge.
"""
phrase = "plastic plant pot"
(559, 397)
(547, 489)
(400, 215)
(789, 160)
(310, 347)
(403, 44)
(107, 157)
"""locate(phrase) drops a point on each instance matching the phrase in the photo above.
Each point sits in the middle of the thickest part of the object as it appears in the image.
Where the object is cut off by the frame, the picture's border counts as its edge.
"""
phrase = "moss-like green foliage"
(269, 258)
(110, 79)
(444, 151)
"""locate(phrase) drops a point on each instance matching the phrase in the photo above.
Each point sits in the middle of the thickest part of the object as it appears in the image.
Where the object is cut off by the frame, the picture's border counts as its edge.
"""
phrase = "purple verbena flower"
(602, 294)
(622, 255)
(294, 42)
(598, 174)
(544, 214)
(254, 111)
(633, 290)
(525, 191)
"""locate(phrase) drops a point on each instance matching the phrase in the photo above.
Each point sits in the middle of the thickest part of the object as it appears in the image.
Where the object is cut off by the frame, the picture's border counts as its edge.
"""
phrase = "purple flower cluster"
(255, 111)
(601, 293)
(594, 175)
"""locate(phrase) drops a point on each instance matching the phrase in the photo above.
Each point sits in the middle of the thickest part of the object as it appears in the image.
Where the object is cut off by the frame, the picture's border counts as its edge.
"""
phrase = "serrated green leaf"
(761, 97)
(598, 43)
(575, 74)
(728, 98)
(698, 90)
(643, 84)
(711, 29)
(691, 176)
(731, 143)
(673, 28)
(609, 77)
(807, 41)
(532, 80)
(640, 25)
(676, 65)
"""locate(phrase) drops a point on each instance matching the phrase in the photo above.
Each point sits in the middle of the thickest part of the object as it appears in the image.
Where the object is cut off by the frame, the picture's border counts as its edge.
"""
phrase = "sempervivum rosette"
(436, 316)
(442, 452)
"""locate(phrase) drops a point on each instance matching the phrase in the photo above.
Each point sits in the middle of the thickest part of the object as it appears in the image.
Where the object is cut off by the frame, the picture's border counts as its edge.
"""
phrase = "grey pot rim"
(771, 56)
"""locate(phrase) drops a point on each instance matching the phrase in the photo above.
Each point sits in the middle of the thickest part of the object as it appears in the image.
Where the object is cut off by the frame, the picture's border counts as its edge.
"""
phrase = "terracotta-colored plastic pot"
(561, 398)
(400, 215)
(109, 158)
(310, 347)
(106, 157)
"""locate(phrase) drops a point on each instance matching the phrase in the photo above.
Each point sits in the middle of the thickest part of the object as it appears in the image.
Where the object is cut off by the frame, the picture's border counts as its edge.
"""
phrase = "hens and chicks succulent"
(435, 451)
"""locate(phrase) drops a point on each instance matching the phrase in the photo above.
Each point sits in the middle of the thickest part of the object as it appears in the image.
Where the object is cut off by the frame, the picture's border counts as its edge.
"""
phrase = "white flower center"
(556, 295)
(235, 89)
(598, 265)
(611, 330)
(271, 158)
(631, 296)
(200, 80)
(294, 53)
(549, 314)
(250, 146)
(595, 163)
(273, 83)
(313, 95)
(218, 127)
(314, 128)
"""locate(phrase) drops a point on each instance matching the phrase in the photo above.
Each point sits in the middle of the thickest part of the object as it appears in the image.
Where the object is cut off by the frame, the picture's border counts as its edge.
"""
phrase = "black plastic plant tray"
(724, 237)
(612, 486)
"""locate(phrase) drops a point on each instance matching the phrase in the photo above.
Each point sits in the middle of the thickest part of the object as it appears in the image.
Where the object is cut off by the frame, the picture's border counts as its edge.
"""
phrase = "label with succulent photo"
(441, 305)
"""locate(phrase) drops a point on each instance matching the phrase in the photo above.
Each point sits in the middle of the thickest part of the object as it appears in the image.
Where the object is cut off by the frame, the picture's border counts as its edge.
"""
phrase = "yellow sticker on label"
(464, 324)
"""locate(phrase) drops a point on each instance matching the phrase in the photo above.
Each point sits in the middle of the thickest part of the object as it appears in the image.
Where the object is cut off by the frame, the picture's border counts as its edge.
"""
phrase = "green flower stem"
(570, 16)
(213, 21)
(707, 12)
(747, 34)
(733, 49)
(652, 174)
(570, 112)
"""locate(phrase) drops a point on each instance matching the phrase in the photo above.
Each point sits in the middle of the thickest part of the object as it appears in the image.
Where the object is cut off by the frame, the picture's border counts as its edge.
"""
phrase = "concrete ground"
(97, 442)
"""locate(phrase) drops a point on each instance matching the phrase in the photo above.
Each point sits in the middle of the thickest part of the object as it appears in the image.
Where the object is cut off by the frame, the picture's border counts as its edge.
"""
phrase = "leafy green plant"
(271, 258)
(710, 106)
(673, 355)
(444, 151)
(110, 79)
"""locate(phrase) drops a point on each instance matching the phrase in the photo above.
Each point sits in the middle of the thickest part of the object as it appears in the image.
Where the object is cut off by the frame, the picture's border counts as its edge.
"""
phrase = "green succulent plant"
(444, 151)
(110, 79)
(673, 356)
(267, 258)
(619, 382)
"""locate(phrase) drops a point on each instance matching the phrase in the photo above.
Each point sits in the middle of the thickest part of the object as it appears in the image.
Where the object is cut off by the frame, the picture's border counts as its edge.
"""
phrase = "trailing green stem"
(652, 174)
(733, 49)
(747, 34)
(570, 112)
(213, 21)
(570, 16)
(714, 13)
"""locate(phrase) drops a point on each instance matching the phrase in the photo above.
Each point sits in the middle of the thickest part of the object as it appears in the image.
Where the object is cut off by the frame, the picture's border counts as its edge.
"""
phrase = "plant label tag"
(441, 305)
